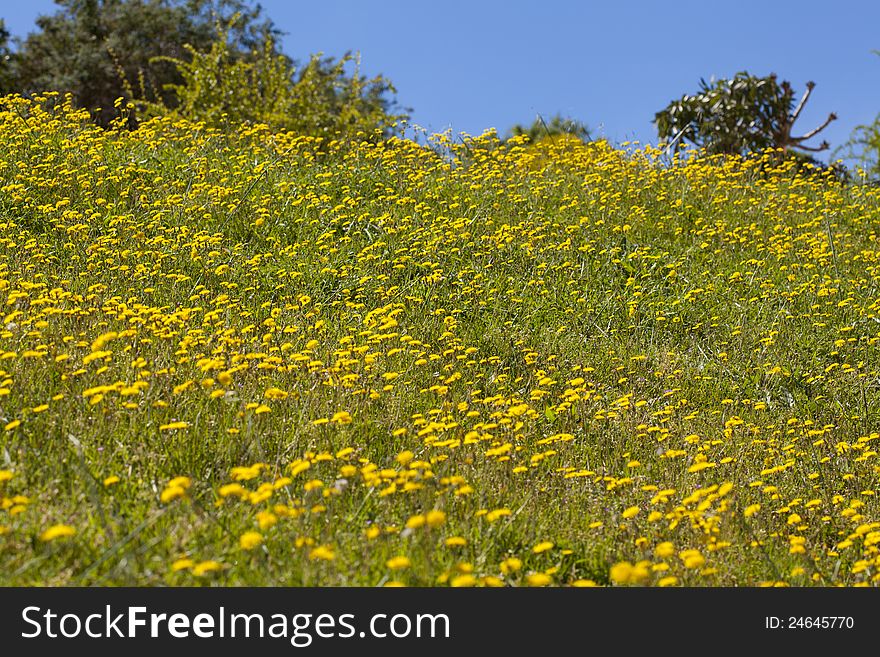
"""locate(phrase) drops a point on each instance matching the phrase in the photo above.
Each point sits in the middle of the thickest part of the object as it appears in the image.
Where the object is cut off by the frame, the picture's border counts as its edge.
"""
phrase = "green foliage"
(737, 116)
(5, 60)
(863, 146)
(221, 89)
(558, 125)
(90, 47)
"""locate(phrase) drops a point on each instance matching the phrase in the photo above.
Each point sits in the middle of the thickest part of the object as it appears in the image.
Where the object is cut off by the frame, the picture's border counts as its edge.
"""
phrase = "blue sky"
(476, 64)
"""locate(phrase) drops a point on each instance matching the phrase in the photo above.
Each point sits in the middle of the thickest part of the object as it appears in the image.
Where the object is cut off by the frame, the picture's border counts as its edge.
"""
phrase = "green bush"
(221, 90)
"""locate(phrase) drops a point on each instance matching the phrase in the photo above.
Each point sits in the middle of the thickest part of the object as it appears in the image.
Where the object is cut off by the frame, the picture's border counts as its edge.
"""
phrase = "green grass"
(573, 330)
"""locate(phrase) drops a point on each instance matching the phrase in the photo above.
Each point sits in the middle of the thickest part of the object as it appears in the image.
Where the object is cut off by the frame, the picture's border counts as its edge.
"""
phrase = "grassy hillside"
(264, 359)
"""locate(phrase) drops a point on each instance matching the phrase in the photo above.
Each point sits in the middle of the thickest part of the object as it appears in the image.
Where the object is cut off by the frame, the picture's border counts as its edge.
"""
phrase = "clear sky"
(478, 64)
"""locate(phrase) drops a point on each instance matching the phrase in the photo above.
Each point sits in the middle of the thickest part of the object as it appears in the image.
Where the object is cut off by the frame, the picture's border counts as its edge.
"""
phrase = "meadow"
(245, 358)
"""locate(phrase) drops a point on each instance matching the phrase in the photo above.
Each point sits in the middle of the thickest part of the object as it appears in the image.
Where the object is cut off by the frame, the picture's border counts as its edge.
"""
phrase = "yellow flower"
(175, 489)
(631, 512)
(205, 567)
(266, 519)
(640, 572)
(235, 489)
(461, 581)
(511, 565)
(173, 426)
(342, 417)
(313, 484)
(543, 547)
(250, 540)
(415, 522)
(57, 531)
(456, 541)
(664, 549)
(435, 518)
(172, 493)
(13, 425)
(398, 563)
(538, 579)
(495, 514)
(323, 553)
(111, 480)
(246, 473)
(692, 558)
(182, 482)
(103, 339)
(182, 564)
(621, 572)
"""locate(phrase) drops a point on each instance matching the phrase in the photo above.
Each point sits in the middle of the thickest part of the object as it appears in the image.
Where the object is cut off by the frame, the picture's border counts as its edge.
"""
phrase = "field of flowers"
(267, 359)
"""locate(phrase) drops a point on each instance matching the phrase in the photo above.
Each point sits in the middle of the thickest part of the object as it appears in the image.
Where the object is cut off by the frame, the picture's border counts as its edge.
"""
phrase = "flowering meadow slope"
(255, 358)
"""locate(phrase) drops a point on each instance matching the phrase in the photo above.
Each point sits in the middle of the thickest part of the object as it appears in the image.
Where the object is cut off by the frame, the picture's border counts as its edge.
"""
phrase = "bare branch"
(673, 143)
(800, 107)
(824, 146)
(816, 131)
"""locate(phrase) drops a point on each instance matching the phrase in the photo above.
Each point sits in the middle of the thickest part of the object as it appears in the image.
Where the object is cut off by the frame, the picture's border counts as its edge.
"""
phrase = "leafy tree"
(219, 88)
(741, 115)
(6, 85)
(558, 125)
(89, 47)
